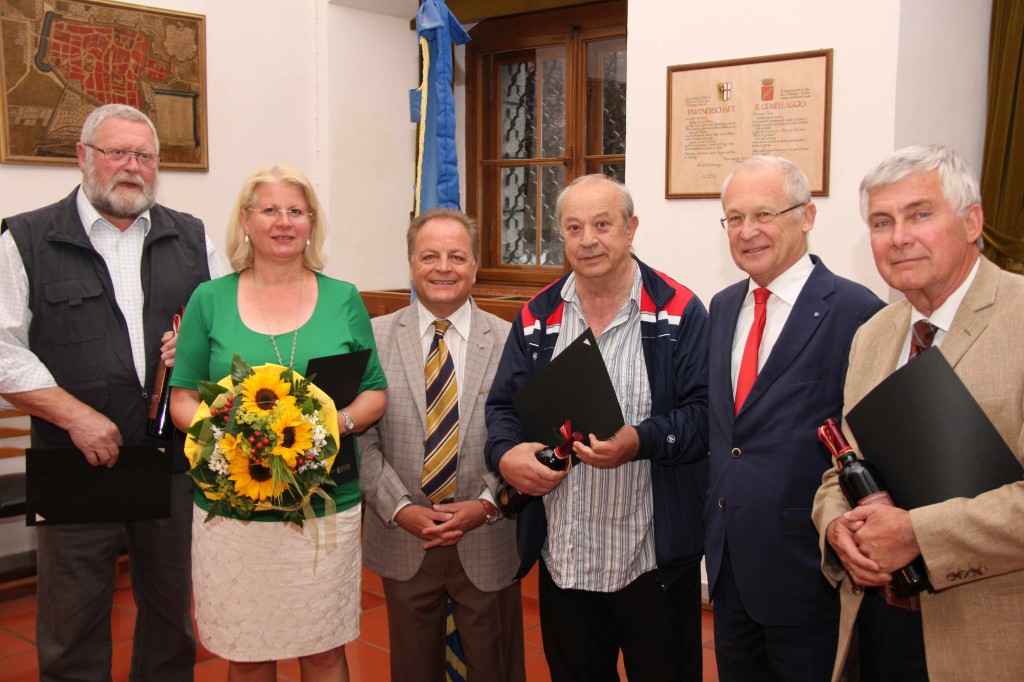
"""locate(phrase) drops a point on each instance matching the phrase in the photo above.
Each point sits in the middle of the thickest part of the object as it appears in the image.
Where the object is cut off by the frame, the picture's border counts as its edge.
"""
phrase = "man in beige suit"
(460, 548)
(925, 221)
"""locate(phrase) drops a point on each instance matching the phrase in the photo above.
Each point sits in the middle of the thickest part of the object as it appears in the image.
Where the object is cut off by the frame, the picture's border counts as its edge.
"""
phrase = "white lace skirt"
(256, 595)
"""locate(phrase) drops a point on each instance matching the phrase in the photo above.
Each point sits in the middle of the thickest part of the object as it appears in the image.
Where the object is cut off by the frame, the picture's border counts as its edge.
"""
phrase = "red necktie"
(922, 338)
(748, 366)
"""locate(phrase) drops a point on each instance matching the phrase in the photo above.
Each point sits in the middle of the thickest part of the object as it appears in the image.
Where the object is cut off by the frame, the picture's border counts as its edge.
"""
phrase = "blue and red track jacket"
(674, 329)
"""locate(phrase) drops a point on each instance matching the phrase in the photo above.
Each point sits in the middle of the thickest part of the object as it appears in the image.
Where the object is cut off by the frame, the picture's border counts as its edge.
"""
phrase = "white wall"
(885, 59)
(373, 63)
(942, 82)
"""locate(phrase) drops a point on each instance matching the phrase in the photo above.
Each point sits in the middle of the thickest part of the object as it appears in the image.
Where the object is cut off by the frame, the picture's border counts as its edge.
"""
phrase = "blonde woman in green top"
(266, 589)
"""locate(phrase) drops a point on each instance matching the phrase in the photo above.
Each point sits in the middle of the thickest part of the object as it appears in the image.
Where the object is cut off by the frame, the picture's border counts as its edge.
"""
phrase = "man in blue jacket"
(780, 339)
(620, 535)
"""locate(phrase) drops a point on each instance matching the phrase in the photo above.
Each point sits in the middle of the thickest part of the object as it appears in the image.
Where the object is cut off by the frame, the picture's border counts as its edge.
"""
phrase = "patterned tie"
(922, 338)
(442, 442)
(748, 366)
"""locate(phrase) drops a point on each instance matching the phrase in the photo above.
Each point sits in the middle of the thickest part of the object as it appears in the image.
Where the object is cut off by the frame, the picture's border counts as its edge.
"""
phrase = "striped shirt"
(600, 521)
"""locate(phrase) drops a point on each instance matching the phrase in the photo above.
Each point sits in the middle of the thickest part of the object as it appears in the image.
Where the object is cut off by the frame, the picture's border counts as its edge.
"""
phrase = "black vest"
(77, 328)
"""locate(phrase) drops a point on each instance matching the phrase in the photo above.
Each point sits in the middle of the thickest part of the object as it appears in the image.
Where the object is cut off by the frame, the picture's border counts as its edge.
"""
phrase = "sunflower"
(253, 480)
(263, 391)
(230, 445)
(294, 435)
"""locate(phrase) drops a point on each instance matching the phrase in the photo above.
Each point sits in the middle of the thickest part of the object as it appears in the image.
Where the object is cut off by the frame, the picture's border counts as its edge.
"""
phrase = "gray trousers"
(76, 564)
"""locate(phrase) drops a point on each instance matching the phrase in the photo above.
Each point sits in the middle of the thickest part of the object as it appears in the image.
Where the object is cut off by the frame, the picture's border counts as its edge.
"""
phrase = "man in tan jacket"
(925, 221)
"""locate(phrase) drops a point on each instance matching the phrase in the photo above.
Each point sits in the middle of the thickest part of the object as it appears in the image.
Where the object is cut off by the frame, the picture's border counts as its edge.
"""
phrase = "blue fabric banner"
(432, 105)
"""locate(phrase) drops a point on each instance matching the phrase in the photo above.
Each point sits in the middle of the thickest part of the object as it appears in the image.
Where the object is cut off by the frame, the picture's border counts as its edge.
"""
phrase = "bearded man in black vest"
(90, 286)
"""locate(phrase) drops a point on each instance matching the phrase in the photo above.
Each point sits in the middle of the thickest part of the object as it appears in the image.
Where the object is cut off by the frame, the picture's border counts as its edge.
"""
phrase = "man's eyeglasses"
(119, 157)
(735, 222)
(290, 213)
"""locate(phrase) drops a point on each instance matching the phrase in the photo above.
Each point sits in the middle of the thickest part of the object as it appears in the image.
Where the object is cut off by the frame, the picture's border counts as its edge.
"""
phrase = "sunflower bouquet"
(263, 439)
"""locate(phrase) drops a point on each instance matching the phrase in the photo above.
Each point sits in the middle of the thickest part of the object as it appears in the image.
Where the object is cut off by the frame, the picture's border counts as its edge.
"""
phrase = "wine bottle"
(861, 485)
(159, 424)
(558, 458)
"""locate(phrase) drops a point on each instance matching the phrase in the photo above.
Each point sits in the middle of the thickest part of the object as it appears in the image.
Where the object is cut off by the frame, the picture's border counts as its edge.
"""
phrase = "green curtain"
(1002, 175)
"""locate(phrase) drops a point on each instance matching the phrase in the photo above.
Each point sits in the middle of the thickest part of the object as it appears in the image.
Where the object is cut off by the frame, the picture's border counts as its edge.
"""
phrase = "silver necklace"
(298, 313)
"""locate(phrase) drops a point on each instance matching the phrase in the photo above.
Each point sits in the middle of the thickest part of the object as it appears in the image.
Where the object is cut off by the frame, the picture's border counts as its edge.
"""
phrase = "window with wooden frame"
(545, 103)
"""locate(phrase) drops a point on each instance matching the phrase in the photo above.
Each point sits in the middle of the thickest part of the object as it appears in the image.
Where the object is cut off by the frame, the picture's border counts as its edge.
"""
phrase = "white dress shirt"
(785, 290)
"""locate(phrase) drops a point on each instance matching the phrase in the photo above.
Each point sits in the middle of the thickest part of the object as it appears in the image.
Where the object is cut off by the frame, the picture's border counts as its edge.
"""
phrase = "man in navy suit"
(779, 346)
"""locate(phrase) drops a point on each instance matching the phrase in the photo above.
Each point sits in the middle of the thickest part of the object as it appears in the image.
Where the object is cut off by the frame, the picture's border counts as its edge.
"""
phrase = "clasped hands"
(441, 525)
(872, 542)
(520, 468)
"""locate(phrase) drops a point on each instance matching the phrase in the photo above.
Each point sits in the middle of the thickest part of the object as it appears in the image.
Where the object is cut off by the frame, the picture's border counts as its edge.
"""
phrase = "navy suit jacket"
(767, 462)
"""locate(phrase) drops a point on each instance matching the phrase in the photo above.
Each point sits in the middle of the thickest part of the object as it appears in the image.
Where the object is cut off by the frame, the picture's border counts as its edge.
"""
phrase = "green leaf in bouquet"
(209, 390)
(240, 369)
(292, 517)
(330, 447)
(309, 405)
(233, 426)
(202, 433)
(196, 429)
(300, 389)
(201, 473)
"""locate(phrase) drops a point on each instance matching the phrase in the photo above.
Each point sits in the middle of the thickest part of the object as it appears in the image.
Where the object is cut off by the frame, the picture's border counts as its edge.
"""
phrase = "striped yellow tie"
(441, 445)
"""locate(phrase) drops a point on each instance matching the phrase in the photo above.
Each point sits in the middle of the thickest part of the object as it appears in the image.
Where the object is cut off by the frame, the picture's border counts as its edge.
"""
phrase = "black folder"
(62, 487)
(575, 385)
(339, 376)
(929, 438)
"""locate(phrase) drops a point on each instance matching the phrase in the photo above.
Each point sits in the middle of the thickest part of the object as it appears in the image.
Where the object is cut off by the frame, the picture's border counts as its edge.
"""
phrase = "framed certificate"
(719, 113)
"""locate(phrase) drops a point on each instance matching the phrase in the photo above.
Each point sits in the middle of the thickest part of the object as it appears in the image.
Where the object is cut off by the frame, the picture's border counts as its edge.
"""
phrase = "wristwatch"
(349, 424)
(492, 513)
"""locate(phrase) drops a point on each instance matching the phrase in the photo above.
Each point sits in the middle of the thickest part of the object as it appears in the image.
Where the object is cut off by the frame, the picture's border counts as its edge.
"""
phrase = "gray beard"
(118, 203)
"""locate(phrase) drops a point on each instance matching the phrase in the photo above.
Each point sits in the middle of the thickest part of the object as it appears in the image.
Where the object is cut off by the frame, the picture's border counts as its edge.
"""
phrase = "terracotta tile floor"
(367, 656)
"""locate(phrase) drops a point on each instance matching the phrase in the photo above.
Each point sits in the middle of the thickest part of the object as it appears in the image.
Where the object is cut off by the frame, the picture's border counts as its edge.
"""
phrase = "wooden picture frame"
(57, 66)
(719, 113)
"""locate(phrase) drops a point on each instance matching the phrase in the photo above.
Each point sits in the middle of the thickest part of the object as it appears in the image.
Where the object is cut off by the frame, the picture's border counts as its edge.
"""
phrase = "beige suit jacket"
(392, 453)
(973, 548)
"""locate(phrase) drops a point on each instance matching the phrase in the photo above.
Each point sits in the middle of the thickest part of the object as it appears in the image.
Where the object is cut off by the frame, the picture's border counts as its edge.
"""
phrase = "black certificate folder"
(62, 487)
(929, 438)
(339, 376)
(575, 385)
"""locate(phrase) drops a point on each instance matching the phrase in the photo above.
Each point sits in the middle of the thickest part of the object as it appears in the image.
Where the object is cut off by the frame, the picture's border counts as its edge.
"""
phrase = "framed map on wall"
(60, 59)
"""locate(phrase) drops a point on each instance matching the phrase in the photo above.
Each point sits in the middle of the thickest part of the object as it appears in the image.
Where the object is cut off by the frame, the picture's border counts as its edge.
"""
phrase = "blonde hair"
(240, 251)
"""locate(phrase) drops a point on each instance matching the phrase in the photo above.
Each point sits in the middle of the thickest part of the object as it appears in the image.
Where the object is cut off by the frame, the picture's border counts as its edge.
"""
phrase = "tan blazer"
(973, 548)
(392, 453)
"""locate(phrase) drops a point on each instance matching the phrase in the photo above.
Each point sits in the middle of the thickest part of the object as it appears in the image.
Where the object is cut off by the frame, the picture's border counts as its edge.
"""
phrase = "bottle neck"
(562, 451)
(846, 459)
